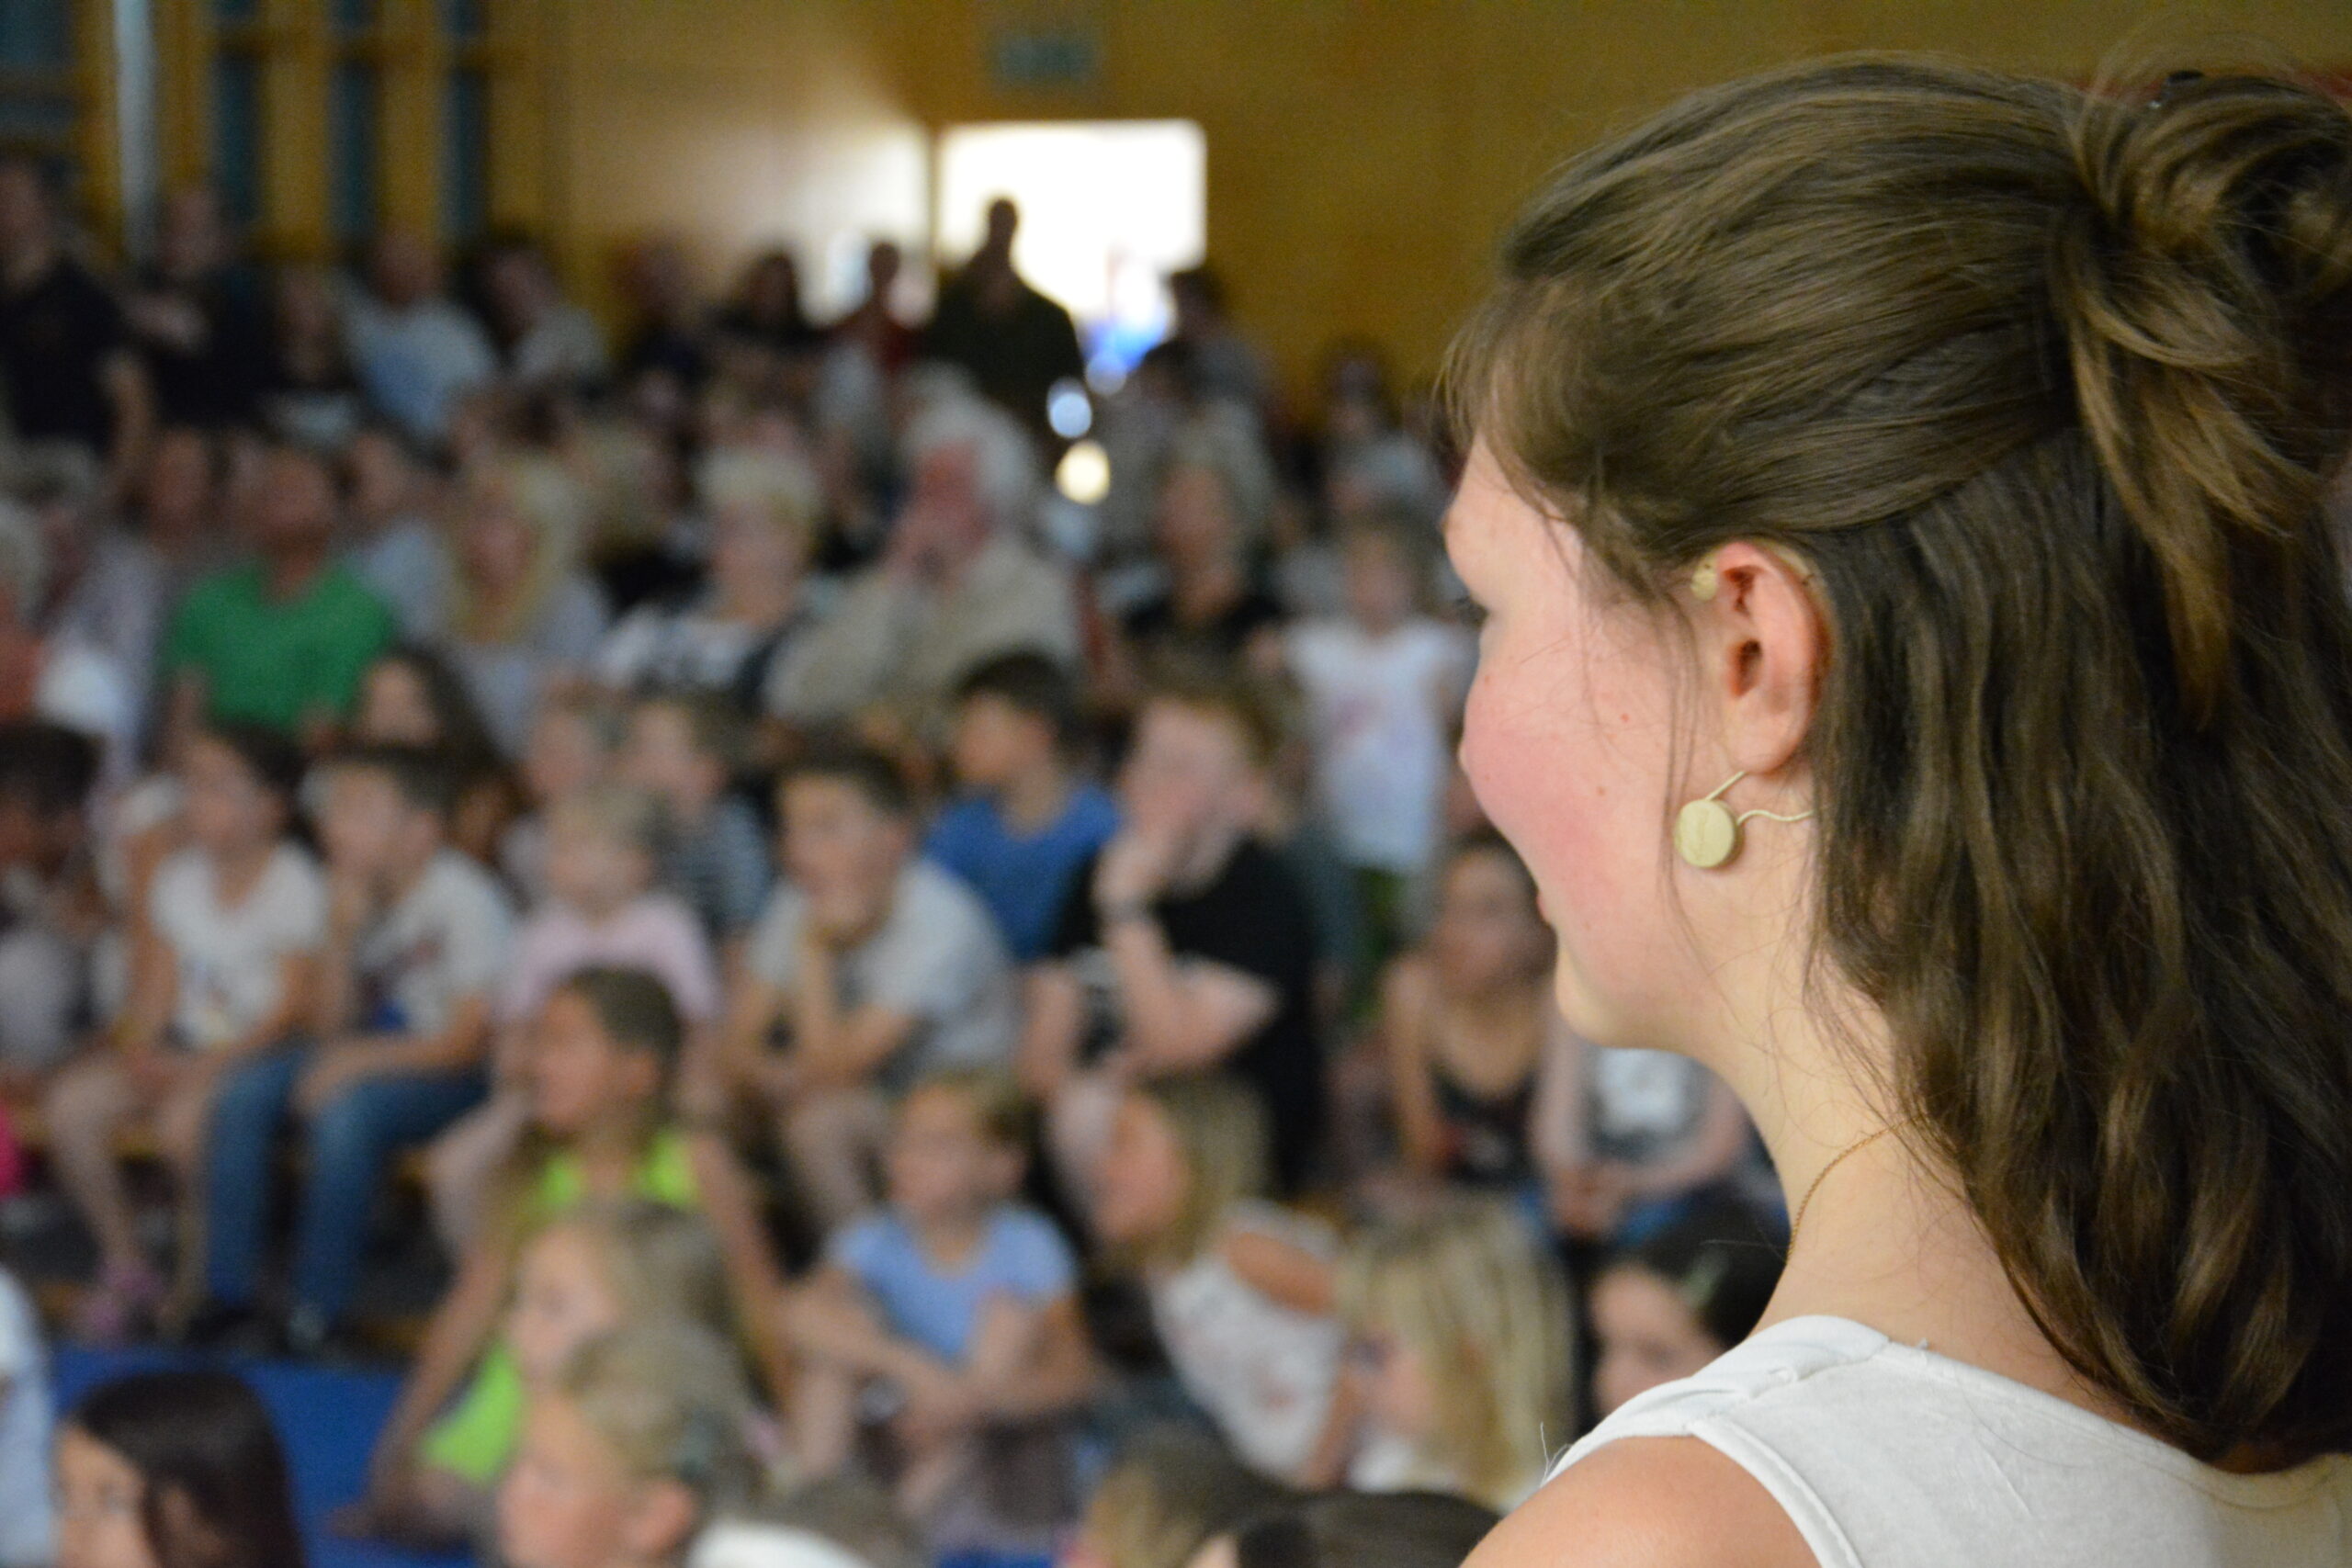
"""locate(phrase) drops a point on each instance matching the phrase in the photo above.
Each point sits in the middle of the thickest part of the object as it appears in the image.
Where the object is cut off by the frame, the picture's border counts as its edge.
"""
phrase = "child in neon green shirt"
(605, 1049)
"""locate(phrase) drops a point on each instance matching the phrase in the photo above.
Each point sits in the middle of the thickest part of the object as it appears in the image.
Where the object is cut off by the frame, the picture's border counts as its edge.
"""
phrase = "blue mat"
(327, 1419)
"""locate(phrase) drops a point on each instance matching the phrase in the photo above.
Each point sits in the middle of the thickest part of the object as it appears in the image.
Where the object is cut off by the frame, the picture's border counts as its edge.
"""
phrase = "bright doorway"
(1108, 209)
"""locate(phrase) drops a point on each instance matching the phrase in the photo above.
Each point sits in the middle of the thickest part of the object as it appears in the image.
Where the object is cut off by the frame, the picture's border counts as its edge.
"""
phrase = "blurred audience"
(665, 812)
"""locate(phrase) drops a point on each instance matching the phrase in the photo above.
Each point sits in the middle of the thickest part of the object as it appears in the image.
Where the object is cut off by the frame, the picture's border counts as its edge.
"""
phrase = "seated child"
(875, 965)
(224, 970)
(573, 741)
(418, 941)
(1186, 946)
(683, 751)
(603, 853)
(957, 1299)
(599, 1072)
(48, 896)
(1242, 1292)
(1661, 1133)
(1169, 1492)
(1461, 1354)
(1666, 1308)
(173, 1467)
(594, 1269)
(1031, 820)
(636, 1446)
(1482, 1070)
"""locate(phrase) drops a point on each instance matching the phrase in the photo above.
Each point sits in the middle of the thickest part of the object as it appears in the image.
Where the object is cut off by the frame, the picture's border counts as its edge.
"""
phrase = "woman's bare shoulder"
(1648, 1502)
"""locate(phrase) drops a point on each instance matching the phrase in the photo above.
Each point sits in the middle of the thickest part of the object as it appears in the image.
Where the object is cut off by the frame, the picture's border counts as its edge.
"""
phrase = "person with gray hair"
(958, 584)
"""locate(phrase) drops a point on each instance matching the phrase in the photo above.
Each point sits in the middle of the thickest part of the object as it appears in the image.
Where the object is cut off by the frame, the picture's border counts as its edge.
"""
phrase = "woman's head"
(606, 1265)
(1670, 1306)
(603, 847)
(1182, 1152)
(1461, 1326)
(640, 1441)
(2015, 574)
(1487, 931)
(173, 1469)
(606, 1046)
(239, 782)
(959, 1144)
(520, 524)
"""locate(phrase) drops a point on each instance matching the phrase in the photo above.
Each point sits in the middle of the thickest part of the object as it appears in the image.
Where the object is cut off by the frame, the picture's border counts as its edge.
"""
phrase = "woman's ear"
(661, 1520)
(1763, 646)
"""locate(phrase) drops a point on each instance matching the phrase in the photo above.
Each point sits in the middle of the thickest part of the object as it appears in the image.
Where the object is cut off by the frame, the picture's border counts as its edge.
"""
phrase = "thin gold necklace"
(1843, 1156)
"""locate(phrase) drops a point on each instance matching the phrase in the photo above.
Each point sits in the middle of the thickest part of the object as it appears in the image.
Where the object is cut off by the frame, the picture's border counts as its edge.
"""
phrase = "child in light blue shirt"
(954, 1308)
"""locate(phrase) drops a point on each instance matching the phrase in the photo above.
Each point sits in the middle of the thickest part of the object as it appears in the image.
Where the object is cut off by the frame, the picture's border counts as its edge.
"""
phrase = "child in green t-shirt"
(603, 1052)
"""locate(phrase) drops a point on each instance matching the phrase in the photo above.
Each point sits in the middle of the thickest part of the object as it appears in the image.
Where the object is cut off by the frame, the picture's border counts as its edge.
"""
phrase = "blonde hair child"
(1461, 1354)
(639, 1444)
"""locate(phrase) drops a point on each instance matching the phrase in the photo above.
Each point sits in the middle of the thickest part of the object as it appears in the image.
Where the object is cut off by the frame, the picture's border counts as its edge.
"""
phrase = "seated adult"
(415, 350)
(524, 616)
(1186, 946)
(280, 640)
(956, 586)
(727, 639)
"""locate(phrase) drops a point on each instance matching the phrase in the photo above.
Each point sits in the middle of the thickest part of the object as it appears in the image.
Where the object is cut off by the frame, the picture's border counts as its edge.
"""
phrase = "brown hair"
(2045, 388)
(993, 1096)
(1220, 1125)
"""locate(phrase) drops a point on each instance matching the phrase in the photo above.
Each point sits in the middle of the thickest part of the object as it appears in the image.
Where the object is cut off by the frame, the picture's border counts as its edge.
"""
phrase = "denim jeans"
(351, 1142)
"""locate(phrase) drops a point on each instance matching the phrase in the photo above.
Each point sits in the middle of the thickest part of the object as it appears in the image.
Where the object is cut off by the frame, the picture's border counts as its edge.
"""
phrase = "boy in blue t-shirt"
(1031, 820)
(959, 1301)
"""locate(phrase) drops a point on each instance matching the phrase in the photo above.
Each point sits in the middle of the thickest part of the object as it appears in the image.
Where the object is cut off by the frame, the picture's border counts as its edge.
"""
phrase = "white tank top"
(1888, 1456)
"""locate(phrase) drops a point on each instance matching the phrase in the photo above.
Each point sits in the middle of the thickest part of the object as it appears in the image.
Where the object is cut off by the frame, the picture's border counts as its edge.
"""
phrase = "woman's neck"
(1885, 1239)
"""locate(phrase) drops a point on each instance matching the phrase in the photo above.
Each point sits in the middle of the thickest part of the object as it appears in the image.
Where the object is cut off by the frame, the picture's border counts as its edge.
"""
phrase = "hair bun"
(2205, 286)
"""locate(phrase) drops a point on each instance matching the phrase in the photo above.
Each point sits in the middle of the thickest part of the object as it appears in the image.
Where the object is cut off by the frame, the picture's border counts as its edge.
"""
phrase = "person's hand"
(938, 1407)
(332, 1070)
(1134, 867)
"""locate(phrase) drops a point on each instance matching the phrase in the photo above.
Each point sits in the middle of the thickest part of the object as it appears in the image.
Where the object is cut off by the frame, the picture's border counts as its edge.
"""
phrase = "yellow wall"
(1363, 154)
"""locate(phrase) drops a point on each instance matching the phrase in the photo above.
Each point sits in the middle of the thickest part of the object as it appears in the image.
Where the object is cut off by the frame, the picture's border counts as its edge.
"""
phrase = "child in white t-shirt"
(1384, 683)
(224, 961)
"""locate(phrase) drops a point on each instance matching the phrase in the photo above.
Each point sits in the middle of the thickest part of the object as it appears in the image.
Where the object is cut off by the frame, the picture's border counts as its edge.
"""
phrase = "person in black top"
(68, 371)
(1184, 946)
(200, 324)
(1016, 342)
